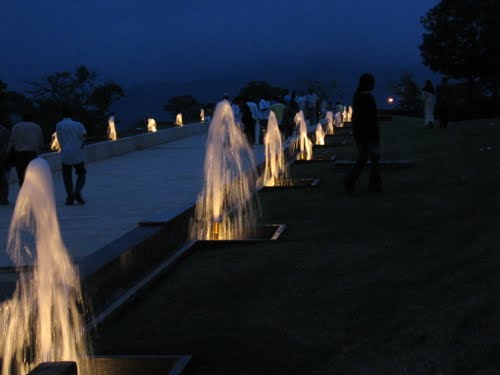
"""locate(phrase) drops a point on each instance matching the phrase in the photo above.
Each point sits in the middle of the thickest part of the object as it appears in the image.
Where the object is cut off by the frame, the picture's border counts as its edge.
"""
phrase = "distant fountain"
(54, 144)
(275, 168)
(202, 115)
(349, 114)
(178, 120)
(320, 135)
(337, 122)
(344, 115)
(112, 135)
(329, 123)
(302, 141)
(42, 322)
(225, 207)
(151, 125)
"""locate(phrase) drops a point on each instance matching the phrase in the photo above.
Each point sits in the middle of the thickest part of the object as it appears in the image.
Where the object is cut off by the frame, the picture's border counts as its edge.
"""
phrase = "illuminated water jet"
(151, 125)
(275, 168)
(302, 143)
(42, 321)
(225, 208)
(54, 144)
(178, 120)
(319, 135)
(330, 130)
(202, 115)
(112, 135)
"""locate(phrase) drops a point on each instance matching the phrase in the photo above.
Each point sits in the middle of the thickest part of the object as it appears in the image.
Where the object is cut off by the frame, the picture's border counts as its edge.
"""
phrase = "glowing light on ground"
(54, 144)
(178, 120)
(275, 168)
(43, 321)
(225, 208)
(112, 135)
(151, 125)
(390, 100)
(319, 135)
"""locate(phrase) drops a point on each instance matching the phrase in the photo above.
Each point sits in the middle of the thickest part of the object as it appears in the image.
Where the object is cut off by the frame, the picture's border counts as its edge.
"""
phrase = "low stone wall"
(107, 149)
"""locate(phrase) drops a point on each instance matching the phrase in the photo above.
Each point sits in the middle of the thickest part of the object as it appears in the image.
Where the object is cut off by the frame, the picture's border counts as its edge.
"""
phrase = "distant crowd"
(253, 116)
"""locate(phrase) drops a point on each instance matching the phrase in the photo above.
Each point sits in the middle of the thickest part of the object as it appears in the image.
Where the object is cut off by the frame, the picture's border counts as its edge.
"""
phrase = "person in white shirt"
(71, 135)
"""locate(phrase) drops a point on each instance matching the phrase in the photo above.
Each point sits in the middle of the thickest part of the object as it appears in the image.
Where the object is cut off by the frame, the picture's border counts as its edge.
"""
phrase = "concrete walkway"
(123, 190)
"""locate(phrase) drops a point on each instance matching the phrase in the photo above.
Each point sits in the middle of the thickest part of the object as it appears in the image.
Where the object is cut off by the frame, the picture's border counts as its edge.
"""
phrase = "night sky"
(136, 41)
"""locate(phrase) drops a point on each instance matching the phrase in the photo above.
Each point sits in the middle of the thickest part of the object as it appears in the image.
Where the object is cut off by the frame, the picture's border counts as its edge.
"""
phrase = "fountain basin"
(121, 365)
(292, 183)
(266, 232)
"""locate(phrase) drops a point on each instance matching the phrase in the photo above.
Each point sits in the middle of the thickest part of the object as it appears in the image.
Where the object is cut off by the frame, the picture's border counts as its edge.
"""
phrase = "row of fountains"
(43, 321)
(112, 133)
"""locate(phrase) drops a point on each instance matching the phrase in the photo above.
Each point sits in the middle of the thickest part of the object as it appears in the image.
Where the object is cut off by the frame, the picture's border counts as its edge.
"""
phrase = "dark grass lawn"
(401, 282)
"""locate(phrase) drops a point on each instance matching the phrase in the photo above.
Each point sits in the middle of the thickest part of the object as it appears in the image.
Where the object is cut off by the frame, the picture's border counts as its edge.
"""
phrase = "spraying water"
(349, 114)
(275, 170)
(151, 125)
(54, 144)
(202, 115)
(178, 120)
(225, 207)
(329, 123)
(302, 141)
(42, 321)
(319, 135)
(112, 135)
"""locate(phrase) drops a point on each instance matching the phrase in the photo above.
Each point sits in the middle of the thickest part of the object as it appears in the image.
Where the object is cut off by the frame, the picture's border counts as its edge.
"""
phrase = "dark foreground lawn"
(402, 282)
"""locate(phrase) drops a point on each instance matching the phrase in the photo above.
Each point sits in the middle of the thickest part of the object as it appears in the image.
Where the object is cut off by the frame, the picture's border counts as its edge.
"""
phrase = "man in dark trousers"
(366, 135)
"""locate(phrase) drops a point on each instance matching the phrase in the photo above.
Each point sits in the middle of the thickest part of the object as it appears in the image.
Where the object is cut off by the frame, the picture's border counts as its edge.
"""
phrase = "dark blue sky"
(132, 41)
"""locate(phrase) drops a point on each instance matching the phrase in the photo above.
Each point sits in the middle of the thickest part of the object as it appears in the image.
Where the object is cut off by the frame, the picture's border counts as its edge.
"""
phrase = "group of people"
(253, 116)
(24, 143)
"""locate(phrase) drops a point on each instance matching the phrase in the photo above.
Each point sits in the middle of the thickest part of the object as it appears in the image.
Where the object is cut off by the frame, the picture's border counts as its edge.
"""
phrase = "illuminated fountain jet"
(178, 120)
(349, 114)
(275, 168)
(151, 125)
(320, 135)
(202, 115)
(43, 320)
(344, 115)
(112, 136)
(330, 130)
(225, 208)
(302, 141)
(54, 143)
(337, 121)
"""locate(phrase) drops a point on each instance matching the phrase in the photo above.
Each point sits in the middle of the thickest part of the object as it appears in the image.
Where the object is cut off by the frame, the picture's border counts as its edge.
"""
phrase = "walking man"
(71, 135)
(26, 140)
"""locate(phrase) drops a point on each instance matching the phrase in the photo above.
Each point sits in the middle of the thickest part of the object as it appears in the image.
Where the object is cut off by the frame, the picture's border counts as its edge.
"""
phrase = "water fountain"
(319, 135)
(202, 115)
(112, 135)
(54, 144)
(349, 114)
(302, 141)
(151, 125)
(43, 320)
(330, 130)
(275, 169)
(226, 208)
(178, 120)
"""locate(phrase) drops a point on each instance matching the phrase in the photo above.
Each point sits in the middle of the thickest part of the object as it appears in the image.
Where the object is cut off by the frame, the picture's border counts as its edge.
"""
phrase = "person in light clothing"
(71, 135)
(26, 141)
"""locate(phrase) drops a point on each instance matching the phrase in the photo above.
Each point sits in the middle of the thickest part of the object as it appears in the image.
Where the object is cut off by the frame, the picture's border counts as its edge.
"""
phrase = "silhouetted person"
(366, 135)
(429, 99)
(443, 103)
(71, 135)
(26, 141)
(288, 118)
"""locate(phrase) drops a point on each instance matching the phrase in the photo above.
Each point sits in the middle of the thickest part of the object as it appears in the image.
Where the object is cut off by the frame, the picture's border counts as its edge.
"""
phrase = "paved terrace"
(123, 190)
